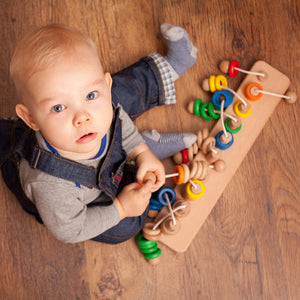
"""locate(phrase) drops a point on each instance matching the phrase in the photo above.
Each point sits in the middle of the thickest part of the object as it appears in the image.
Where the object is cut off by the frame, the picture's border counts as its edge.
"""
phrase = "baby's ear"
(24, 114)
(108, 79)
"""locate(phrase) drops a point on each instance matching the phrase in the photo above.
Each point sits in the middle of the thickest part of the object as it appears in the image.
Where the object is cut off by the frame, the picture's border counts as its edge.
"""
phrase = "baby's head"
(63, 90)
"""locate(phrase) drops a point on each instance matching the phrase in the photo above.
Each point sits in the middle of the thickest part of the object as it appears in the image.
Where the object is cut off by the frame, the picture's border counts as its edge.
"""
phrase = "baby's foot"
(182, 53)
(164, 145)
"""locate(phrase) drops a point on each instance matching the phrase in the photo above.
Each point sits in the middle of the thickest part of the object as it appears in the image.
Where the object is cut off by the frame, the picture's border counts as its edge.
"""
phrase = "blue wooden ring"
(220, 145)
(155, 204)
(161, 195)
(216, 96)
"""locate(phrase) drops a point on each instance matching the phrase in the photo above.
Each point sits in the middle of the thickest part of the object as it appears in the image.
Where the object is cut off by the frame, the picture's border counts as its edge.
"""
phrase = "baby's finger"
(146, 188)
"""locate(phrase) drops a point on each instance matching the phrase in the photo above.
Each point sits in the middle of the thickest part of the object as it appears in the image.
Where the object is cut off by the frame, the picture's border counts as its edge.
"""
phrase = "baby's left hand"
(147, 162)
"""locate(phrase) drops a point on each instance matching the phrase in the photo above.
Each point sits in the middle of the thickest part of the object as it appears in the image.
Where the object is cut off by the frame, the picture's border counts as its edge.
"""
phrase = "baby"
(74, 162)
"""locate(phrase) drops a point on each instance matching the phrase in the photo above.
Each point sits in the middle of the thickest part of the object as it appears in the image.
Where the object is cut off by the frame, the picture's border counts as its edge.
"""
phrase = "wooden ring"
(249, 91)
(190, 194)
(179, 179)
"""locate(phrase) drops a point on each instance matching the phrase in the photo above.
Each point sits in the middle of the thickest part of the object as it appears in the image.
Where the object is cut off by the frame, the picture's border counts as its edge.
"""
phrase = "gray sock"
(164, 145)
(182, 53)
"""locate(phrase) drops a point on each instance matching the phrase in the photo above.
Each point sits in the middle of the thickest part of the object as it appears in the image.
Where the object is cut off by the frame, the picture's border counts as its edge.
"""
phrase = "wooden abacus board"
(215, 183)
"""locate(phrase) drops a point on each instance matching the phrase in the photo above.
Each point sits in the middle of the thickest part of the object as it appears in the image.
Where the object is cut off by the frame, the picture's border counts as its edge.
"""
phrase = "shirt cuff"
(166, 76)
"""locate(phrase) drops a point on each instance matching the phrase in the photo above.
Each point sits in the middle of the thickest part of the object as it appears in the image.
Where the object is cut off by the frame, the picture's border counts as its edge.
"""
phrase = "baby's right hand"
(133, 199)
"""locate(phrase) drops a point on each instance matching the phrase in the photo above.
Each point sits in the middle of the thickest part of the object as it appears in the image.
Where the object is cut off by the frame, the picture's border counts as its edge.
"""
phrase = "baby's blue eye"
(58, 108)
(91, 96)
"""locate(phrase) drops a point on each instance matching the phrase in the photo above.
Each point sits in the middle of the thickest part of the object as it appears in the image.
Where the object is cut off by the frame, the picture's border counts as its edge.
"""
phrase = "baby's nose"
(81, 118)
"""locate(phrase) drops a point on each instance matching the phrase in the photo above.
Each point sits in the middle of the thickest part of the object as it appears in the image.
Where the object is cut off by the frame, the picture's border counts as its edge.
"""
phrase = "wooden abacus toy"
(245, 120)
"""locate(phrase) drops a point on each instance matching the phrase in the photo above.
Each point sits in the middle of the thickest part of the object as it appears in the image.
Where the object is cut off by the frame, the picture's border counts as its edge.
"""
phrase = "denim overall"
(137, 88)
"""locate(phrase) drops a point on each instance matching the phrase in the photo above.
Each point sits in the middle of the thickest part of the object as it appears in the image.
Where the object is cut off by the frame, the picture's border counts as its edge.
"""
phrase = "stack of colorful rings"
(205, 110)
(149, 249)
(192, 191)
(214, 83)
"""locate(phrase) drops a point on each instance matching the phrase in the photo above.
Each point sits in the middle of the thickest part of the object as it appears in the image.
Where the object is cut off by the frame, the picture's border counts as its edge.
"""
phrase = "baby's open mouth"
(87, 138)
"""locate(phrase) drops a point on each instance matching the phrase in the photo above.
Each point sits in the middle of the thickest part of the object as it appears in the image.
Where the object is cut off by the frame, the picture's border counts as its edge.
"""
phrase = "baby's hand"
(133, 199)
(146, 162)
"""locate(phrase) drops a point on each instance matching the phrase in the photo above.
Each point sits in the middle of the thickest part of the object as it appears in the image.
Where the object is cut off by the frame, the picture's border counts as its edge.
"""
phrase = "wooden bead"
(234, 125)
(224, 66)
(293, 97)
(205, 146)
(150, 176)
(152, 213)
(219, 165)
(186, 173)
(204, 170)
(244, 109)
(205, 85)
(177, 158)
(195, 148)
(225, 139)
(154, 261)
(151, 237)
(168, 227)
(190, 107)
(190, 153)
(196, 190)
(148, 228)
(211, 156)
(199, 170)
(199, 139)
(184, 211)
(193, 166)
(149, 233)
(205, 133)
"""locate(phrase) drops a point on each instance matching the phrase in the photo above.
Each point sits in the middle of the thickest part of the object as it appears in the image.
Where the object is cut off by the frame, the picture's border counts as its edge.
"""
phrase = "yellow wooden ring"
(212, 83)
(220, 81)
(239, 113)
(190, 194)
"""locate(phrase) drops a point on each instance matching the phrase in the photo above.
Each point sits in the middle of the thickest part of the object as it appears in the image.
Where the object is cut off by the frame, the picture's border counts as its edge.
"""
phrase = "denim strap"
(48, 162)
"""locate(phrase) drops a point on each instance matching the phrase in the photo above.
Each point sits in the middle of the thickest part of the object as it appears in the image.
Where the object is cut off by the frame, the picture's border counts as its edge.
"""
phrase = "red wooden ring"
(231, 70)
(185, 156)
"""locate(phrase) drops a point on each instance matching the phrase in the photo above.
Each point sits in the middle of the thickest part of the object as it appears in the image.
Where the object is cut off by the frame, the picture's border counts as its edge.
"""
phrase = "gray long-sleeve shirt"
(63, 206)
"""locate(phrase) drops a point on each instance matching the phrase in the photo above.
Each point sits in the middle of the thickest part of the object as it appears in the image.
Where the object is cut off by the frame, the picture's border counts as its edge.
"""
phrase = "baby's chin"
(80, 154)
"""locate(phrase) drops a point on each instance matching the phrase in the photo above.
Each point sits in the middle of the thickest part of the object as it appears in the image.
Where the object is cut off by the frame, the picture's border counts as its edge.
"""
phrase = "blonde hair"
(41, 48)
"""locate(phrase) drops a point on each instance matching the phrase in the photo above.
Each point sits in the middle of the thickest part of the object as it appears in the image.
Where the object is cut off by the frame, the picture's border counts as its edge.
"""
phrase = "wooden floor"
(249, 246)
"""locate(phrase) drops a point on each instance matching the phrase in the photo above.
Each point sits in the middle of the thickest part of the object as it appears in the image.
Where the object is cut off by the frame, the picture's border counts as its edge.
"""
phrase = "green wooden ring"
(149, 250)
(144, 243)
(211, 112)
(203, 113)
(229, 129)
(197, 105)
(153, 255)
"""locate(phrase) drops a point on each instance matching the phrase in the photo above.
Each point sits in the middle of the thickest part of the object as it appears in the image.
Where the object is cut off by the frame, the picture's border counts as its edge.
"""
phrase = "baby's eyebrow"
(47, 99)
(97, 81)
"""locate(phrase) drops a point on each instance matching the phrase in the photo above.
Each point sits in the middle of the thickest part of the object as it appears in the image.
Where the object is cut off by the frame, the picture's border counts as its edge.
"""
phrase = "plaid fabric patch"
(168, 83)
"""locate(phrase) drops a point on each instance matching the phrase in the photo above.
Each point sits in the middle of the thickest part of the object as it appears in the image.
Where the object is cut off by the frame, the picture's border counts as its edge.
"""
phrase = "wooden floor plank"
(249, 246)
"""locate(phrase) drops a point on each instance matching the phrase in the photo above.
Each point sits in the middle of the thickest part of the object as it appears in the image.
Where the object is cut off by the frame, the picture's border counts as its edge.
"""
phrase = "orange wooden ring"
(180, 178)
(249, 91)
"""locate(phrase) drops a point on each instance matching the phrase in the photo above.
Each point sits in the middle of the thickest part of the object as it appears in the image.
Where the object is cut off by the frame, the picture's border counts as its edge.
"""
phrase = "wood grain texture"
(249, 246)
